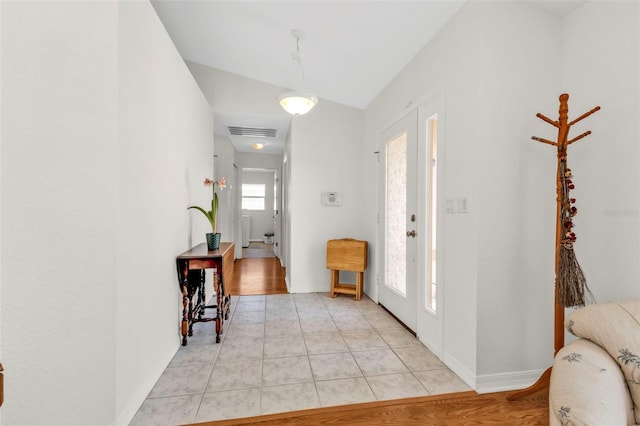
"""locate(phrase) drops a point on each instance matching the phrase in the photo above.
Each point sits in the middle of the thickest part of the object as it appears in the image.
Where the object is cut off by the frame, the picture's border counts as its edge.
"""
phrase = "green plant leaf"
(207, 215)
(214, 211)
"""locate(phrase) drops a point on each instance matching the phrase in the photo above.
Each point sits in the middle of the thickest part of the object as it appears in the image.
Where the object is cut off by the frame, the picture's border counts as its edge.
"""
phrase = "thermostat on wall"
(330, 199)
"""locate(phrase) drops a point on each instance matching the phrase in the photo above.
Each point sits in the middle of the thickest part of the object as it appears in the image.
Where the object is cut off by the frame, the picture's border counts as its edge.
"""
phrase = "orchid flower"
(212, 215)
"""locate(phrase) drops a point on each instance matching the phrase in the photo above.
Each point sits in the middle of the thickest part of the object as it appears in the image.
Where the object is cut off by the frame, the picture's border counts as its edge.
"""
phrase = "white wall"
(499, 258)
(285, 252)
(0, 197)
(59, 164)
(491, 86)
(251, 160)
(516, 182)
(104, 136)
(228, 92)
(165, 151)
(225, 165)
(326, 154)
(600, 52)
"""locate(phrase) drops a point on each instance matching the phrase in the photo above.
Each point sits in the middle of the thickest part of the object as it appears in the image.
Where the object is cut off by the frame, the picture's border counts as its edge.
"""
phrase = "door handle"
(411, 233)
(1, 385)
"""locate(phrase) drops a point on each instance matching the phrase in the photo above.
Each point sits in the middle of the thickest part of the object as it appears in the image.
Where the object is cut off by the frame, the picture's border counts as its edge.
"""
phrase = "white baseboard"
(136, 400)
(460, 369)
(502, 382)
(429, 344)
(488, 383)
(127, 414)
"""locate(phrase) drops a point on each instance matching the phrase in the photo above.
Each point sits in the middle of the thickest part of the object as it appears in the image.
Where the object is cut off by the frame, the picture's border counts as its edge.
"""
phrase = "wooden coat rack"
(570, 285)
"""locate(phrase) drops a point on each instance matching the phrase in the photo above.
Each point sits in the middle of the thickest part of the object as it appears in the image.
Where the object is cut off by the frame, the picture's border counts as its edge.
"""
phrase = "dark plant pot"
(213, 241)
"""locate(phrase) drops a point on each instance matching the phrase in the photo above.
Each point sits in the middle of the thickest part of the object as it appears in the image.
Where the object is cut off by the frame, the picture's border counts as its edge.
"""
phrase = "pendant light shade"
(298, 102)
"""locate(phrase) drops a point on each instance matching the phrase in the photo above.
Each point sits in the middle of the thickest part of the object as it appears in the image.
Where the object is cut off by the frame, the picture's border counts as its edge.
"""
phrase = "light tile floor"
(290, 352)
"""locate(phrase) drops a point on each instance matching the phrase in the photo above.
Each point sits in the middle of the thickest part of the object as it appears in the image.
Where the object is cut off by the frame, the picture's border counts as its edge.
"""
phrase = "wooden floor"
(466, 408)
(260, 275)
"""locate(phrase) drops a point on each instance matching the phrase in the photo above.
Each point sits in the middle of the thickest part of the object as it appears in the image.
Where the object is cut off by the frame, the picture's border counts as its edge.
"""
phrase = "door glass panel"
(396, 206)
(432, 185)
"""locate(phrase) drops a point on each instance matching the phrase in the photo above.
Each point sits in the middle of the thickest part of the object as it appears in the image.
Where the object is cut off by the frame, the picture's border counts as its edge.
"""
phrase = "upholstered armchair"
(595, 380)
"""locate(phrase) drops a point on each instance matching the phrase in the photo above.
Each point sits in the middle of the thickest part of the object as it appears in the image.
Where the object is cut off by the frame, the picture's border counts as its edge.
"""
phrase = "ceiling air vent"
(255, 132)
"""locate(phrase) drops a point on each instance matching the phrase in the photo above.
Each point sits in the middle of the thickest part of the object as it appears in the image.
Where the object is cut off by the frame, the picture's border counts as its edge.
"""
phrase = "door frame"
(278, 195)
(400, 306)
(431, 324)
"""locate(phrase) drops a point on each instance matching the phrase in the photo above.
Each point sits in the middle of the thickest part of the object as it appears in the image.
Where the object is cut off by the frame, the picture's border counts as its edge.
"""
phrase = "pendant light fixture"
(298, 102)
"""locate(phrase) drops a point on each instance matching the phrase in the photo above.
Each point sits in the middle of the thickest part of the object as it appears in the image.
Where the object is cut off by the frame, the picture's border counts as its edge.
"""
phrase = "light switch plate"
(456, 205)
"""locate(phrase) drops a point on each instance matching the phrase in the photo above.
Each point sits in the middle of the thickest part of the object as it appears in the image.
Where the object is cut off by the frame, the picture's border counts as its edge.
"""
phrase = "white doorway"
(397, 291)
(411, 284)
(259, 199)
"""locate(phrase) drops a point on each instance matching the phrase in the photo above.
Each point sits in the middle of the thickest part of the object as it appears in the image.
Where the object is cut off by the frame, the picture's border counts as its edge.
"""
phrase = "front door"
(397, 290)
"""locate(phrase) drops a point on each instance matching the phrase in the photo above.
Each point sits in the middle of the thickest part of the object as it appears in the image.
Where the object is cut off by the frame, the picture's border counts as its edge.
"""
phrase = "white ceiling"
(352, 49)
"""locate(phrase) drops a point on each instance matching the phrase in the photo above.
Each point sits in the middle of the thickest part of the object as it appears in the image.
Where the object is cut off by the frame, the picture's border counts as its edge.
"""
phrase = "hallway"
(257, 249)
(289, 352)
(258, 272)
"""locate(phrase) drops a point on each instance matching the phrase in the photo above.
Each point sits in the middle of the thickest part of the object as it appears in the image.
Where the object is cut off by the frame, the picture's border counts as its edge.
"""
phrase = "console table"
(191, 265)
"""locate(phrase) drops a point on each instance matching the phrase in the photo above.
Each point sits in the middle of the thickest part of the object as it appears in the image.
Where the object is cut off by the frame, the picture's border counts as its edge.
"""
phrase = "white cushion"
(616, 328)
(588, 388)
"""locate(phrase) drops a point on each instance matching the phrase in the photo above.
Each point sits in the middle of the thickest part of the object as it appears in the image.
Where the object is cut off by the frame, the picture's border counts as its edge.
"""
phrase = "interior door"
(276, 213)
(397, 290)
(430, 178)
(237, 215)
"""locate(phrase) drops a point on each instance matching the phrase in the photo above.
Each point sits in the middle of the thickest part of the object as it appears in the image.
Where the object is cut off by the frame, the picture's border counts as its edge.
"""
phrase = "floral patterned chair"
(595, 380)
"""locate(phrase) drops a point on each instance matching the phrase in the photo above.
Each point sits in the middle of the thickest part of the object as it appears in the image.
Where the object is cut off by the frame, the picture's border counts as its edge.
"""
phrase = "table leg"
(185, 318)
(201, 294)
(359, 284)
(335, 280)
(227, 307)
(218, 325)
(185, 303)
(225, 300)
(190, 317)
(218, 317)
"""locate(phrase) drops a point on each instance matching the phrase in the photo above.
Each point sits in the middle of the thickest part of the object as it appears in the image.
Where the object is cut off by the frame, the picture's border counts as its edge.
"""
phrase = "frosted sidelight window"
(432, 185)
(396, 213)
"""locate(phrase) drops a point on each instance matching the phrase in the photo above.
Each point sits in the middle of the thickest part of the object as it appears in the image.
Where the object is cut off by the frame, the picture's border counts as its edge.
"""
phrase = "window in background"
(253, 196)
